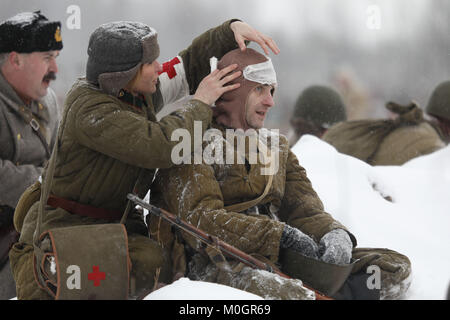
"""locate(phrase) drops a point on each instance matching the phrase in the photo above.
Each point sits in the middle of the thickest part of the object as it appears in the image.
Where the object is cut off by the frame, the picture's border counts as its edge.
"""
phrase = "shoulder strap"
(239, 207)
(37, 128)
(45, 191)
(28, 117)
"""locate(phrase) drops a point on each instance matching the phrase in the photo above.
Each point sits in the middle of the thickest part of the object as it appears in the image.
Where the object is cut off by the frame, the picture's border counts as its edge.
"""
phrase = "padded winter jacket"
(201, 193)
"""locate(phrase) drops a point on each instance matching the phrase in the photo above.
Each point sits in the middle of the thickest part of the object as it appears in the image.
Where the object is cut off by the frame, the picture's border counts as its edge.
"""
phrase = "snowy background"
(416, 223)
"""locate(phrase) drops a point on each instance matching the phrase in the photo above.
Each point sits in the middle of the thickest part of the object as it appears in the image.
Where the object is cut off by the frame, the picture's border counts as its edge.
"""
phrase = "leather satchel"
(83, 261)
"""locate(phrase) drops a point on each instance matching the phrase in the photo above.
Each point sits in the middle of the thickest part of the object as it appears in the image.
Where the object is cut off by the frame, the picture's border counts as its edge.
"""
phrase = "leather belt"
(83, 209)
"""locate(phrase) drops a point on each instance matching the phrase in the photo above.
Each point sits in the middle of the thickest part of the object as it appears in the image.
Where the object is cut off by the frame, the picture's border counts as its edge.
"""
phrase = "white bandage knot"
(263, 73)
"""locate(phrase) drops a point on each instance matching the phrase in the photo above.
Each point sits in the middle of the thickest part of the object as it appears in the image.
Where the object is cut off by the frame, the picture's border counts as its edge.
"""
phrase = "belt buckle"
(34, 124)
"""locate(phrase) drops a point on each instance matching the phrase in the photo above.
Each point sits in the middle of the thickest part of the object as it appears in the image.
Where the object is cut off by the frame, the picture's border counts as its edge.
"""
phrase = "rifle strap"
(216, 256)
(240, 207)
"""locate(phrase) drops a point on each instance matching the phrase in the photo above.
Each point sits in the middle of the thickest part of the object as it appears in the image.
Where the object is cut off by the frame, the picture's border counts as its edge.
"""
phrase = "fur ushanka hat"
(116, 52)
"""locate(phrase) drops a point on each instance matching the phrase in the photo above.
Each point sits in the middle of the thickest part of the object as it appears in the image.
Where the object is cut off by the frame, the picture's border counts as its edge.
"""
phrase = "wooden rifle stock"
(214, 241)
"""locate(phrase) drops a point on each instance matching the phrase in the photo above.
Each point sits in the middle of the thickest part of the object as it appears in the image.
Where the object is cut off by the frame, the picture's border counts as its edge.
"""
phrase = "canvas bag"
(369, 134)
(98, 268)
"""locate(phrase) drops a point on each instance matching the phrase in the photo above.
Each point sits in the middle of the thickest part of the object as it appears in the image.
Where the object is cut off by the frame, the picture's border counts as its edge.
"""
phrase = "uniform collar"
(237, 132)
(135, 101)
(7, 90)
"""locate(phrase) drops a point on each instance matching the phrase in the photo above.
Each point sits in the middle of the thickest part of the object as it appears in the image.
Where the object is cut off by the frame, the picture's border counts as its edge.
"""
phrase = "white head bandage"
(263, 73)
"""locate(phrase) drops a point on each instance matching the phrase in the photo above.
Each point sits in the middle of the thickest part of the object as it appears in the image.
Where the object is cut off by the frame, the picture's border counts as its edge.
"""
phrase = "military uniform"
(24, 150)
(27, 130)
(27, 133)
(105, 144)
(258, 209)
(201, 193)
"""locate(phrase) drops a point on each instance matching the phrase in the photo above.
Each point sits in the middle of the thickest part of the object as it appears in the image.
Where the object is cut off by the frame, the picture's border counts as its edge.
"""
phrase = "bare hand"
(243, 31)
(213, 85)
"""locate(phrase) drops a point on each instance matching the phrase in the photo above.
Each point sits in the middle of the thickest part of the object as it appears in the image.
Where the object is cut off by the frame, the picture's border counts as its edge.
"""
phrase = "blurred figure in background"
(438, 110)
(317, 109)
(353, 93)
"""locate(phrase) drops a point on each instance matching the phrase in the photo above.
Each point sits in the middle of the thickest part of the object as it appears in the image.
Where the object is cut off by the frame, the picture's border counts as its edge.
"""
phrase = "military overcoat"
(23, 153)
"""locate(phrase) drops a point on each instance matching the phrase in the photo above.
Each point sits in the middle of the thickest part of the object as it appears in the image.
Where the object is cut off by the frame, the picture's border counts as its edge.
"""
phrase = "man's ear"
(16, 60)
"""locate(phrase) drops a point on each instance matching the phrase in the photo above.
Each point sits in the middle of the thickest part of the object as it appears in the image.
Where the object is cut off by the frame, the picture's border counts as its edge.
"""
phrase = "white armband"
(173, 82)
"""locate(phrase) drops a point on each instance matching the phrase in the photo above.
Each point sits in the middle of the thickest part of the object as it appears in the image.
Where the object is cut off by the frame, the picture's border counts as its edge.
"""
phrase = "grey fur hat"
(116, 51)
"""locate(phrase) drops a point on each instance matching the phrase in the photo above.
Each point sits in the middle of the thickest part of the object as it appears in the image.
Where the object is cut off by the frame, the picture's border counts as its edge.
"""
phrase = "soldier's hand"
(294, 239)
(243, 31)
(336, 247)
(214, 84)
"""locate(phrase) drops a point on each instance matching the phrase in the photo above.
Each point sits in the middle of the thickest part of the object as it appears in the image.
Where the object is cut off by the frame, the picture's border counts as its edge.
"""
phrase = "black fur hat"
(27, 32)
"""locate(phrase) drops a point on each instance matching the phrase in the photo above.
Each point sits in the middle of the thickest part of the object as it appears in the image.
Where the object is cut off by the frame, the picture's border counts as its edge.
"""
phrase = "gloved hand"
(336, 247)
(294, 239)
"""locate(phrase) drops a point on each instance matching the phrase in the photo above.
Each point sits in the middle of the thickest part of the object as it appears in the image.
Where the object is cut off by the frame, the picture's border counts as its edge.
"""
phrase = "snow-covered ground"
(416, 222)
(185, 289)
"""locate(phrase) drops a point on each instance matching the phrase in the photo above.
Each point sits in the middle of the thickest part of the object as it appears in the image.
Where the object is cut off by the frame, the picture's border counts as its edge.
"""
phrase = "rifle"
(227, 249)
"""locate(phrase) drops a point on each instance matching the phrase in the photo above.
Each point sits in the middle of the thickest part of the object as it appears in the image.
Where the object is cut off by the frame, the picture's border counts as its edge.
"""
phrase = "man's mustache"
(49, 76)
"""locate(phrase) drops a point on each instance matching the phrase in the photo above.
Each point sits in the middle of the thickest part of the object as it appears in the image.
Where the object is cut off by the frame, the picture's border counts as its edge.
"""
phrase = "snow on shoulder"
(404, 208)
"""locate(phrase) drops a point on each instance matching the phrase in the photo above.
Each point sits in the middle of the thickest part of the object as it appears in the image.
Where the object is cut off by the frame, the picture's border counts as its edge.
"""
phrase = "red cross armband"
(173, 82)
